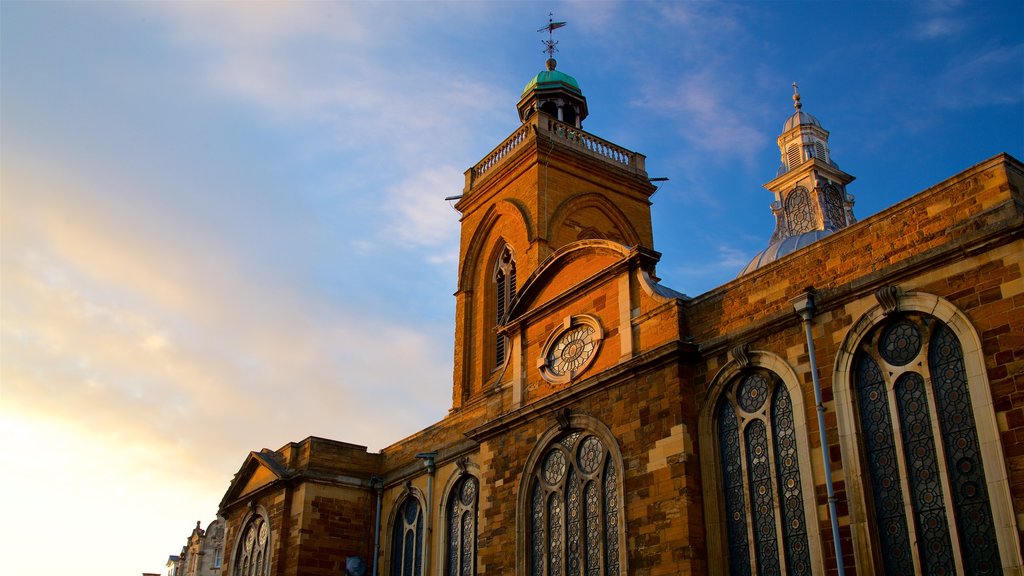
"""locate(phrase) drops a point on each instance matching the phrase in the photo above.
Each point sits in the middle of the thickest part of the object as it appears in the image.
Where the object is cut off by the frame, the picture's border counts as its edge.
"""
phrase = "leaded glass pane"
(735, 501)
(555, 532)
(900, 343)
(611, 519)
(798, 211)
(794, 528)
(766, 548)
(574, 507)
(538, 534)
(574, 510)
(834, 207)
(592, 505)
(252, 556)
(554, 467)
(923, 475)
(963, 457)
(752, 392)
(468, 544)
(407, 540)
(880, 453)
(454, 535)
(591, 451)
(462, 527)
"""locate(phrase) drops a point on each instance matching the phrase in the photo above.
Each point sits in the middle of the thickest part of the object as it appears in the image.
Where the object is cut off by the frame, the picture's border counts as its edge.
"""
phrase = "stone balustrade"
(574, 137)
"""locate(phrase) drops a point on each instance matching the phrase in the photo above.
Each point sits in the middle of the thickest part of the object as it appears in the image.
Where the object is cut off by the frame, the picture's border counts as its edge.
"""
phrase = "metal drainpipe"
(378, 483)
(804, 306)
(428, 461)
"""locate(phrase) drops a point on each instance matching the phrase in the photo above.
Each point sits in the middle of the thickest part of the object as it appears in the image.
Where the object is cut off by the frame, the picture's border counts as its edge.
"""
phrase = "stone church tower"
(549, 184)
(603, 424)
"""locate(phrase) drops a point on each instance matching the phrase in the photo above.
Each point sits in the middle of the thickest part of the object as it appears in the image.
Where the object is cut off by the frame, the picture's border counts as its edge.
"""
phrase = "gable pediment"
(259, 470)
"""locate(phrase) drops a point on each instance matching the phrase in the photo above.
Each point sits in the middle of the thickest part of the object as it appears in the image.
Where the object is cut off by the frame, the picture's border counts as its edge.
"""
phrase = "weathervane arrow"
(550, 43)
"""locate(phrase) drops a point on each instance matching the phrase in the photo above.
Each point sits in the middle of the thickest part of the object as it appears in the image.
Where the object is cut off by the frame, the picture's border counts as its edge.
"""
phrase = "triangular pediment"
(259, 470)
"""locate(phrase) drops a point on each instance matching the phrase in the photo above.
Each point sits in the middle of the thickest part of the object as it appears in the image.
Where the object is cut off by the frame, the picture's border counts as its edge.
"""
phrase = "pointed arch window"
(798, 211)
(921, 450)
(461, 529)
(407, 539)
(505, 291)
(765, 522)
(574, 515)
(254, 548)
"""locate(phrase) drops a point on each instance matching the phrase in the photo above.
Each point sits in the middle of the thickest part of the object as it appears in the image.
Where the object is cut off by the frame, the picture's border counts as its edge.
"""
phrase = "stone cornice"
(614, 376)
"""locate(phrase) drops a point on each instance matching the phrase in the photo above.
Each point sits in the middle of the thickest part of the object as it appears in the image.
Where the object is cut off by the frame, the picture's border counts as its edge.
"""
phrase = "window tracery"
(921, 449)
(798, 211)
(461, 530)
(407, 539)
(254, 548)
(574, 514)
(768, 536)
(834, 207)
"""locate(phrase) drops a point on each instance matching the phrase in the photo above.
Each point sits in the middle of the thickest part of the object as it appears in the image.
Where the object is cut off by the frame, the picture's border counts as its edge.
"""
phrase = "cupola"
(810, 190)
(555, 93)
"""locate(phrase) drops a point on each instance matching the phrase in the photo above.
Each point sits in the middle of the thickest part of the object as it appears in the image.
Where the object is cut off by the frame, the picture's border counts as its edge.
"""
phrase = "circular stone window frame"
(569, 324)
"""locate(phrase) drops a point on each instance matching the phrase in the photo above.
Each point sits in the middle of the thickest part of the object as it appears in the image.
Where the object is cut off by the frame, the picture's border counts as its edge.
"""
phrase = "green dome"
(550, 79)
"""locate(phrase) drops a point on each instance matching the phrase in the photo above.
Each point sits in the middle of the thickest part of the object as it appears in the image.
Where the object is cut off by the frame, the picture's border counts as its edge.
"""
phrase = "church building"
(853, 402)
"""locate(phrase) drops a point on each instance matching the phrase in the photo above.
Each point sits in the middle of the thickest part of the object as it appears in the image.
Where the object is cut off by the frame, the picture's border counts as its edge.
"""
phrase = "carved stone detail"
(889, 299)
(741, 355)
(562, 417)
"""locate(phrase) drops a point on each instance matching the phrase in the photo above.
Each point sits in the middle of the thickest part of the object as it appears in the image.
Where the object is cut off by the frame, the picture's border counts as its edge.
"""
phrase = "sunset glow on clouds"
(223, 226)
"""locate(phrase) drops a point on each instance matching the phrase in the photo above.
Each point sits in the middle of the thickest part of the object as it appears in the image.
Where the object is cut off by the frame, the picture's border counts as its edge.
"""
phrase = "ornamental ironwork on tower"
(811, 201)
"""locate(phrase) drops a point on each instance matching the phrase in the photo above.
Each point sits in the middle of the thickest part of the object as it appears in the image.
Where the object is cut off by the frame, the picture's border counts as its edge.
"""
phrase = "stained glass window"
(505, 291)
(760, 465)
(407, 539)
(574, 510)
(912, 397)
(799, 215)
(254, 548)
(462, 507)
(834, 208)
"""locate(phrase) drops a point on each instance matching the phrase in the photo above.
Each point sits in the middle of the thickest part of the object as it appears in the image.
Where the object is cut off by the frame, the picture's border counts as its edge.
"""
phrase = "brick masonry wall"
(979, 214)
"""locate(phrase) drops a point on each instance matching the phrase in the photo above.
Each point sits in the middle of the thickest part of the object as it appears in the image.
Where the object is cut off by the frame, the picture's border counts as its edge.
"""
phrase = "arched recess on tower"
(590, 216)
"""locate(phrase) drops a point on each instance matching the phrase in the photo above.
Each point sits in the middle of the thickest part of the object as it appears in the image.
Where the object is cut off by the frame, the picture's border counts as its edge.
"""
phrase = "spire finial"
(550, 44)
(796, 97)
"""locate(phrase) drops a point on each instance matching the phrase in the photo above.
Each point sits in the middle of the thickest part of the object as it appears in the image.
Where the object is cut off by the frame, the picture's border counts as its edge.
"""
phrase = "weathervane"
(550, 43)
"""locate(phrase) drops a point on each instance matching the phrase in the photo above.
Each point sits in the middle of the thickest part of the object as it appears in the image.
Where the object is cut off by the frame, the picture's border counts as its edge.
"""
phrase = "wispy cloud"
(985, 77)
(939, 19)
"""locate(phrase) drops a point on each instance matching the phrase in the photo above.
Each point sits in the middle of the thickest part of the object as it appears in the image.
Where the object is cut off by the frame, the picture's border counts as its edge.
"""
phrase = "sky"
(224, 227)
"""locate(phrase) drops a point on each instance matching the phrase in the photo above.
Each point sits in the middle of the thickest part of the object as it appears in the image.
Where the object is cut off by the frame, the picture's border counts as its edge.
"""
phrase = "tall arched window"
(798, 211)
(461, 530)
(921, 451)
(573, 509)
(253, 557)
(765, 521)
(834, 211)
(505, 291)
(407, 539)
